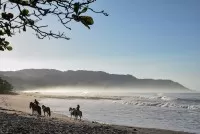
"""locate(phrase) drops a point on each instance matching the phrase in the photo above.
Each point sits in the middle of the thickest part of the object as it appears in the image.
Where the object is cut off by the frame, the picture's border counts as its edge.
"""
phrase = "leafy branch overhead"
(19, 15)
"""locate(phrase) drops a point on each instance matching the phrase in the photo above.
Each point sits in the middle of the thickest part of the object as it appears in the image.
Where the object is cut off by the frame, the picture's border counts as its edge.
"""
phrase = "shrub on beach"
(5, 86)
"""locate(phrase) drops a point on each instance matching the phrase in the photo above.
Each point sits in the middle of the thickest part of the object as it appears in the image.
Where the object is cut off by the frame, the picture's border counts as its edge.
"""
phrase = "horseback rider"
(77, 108)
(36, 102)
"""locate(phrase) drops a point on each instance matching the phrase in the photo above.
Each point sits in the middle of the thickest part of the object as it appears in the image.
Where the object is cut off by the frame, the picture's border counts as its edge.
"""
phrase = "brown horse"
(74, 112)
(46, 109)
(34, 108)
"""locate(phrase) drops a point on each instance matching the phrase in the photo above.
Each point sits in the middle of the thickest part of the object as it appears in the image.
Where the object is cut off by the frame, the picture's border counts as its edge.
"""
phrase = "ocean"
(173, 111)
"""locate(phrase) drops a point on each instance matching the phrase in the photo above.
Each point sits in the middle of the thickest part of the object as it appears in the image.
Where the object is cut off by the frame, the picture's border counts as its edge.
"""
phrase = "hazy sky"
(148, 39)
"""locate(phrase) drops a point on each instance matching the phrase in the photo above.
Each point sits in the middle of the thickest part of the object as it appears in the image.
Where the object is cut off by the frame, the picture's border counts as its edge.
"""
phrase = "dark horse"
(34, 108)
(74, 112)
(46, 109)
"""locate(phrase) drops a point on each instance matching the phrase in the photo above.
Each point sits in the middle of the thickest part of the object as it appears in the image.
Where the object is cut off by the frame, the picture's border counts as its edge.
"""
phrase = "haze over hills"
(39, 78)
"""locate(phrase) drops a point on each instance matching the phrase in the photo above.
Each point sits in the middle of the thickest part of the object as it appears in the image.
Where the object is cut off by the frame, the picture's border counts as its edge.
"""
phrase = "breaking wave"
(163, 101)
(163, 104)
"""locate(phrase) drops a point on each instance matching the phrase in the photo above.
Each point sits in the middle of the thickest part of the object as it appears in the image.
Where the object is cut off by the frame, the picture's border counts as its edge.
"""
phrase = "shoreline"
(18, 104)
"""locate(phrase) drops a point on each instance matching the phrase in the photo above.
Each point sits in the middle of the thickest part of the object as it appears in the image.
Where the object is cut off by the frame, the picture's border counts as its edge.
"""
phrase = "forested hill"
(37, 78)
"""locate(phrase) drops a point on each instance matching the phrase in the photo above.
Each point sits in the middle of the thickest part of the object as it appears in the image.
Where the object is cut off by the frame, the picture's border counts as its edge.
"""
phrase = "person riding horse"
(75, 112)
(36, 102)
(78, 108)
(35, 108)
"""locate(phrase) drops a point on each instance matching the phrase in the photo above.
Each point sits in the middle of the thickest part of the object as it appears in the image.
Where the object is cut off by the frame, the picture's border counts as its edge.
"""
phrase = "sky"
(157, 39)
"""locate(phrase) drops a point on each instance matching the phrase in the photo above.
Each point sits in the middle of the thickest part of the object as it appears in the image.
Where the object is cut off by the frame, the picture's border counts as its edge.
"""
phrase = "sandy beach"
(15, 117)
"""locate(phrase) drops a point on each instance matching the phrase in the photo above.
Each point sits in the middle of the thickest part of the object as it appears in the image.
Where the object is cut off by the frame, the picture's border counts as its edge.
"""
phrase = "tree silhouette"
(19, 15)
(5, 87)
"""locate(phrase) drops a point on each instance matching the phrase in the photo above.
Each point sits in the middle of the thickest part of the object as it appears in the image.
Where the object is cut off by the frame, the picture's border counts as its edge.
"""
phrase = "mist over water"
(88, 91)
(175, 111)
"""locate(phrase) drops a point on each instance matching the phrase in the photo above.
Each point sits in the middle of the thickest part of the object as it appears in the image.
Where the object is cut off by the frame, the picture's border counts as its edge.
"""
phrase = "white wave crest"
(162, 105)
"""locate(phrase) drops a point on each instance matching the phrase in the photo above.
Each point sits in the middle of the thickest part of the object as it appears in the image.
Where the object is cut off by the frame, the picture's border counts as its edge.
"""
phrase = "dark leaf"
(1, 32)
(31, 22)
(84, 10)
(1, 48)
(9, 48)
(10, 15)
(24, 28)
(87, 20)
(6, 43)
(24, 12)
(4, 8)
(76, 7)
(7, 31)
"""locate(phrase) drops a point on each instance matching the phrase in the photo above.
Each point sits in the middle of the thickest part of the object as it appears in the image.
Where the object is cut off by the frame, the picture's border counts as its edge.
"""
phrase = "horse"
(71, 111)
(46, 109)
(34, 108)
(74, 112)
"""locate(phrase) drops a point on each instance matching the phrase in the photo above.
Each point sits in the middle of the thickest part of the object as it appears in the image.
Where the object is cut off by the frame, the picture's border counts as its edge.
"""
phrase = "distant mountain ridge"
(37, 78)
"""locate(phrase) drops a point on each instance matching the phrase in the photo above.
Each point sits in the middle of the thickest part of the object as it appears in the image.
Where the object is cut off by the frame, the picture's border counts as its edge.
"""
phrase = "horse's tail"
(39, 110)
(49, 112)
(81, 114)
(30, 105)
